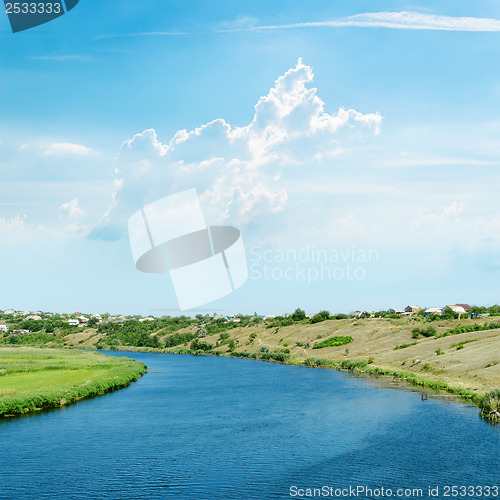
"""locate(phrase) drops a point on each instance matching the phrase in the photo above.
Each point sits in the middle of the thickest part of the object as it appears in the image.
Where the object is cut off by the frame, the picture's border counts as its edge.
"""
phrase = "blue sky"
(325, 126)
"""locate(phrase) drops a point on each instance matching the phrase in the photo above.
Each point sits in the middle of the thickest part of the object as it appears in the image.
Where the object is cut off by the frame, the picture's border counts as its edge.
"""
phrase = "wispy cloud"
(71, 208)
(391, 20)
(449, 213)
(147, 34)
(59, 58)
(65, 148)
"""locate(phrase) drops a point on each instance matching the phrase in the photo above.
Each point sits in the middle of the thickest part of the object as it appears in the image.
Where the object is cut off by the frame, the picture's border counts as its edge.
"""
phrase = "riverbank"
(463, 364)
(459, 356)
(33, 379)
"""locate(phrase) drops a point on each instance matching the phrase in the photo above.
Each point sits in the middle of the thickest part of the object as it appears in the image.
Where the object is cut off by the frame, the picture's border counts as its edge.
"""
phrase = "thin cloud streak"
(392, 20)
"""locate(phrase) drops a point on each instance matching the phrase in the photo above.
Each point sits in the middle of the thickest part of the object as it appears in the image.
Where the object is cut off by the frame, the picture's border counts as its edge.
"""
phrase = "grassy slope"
(466, 368)
(33, 378)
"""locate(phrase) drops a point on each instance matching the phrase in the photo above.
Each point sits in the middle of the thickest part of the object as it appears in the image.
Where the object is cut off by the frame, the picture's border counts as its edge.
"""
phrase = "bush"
(317, 318)
(404, 346)
(470, 328)
(353, 365)
(490, 405)
(429, 331)
(333, 342)
(178, 338)
(341, 316)
(200, 345)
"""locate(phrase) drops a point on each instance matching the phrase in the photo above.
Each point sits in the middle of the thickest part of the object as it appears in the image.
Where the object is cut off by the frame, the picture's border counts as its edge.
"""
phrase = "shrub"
(340, 316)
(404, 346)
(353, 365)
(317, 318)
(333, 342)
(200, 345)
(179, 338)
(429, 331)
(490, 405)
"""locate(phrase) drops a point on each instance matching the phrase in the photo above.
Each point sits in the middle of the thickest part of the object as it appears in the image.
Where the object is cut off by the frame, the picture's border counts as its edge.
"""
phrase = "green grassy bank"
(457, 355)
(32, 379)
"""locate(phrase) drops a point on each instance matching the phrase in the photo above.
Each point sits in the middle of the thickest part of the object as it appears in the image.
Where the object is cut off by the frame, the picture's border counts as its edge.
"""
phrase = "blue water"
(210, 428)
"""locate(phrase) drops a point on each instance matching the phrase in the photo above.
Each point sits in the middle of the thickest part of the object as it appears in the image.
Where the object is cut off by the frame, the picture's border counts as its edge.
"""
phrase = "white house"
(146, 319)
(434, 310)
(9, 311)
(98, 317)
(73, 322)
(4, 328)
(34, 316)
(456, 309)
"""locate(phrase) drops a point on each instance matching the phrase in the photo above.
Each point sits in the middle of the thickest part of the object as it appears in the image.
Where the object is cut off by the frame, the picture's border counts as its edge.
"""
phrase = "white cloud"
(449, 213)
(18, 225)
(14, 224)
(59, 58)
(238, 171)
(395, 20)
(67, 148)
(71, 208)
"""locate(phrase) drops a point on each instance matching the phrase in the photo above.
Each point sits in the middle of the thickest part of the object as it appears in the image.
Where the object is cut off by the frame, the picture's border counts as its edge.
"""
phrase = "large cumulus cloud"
(237, 170)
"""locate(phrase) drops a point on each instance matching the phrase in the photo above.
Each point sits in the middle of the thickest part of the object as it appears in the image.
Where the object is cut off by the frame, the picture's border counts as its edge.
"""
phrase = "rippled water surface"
(209, 428)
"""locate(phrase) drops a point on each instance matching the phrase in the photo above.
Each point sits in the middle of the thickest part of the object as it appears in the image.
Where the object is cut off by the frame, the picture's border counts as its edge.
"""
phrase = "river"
(197, 427)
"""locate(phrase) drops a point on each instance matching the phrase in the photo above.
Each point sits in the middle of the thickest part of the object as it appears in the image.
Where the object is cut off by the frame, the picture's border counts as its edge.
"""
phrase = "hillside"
(469, 360)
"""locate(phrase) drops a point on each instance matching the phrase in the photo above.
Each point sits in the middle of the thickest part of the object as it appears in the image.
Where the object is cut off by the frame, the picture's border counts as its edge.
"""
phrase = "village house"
(456, 309)
(4, 328)
(412, 309)
(434, 310)
(73, 322)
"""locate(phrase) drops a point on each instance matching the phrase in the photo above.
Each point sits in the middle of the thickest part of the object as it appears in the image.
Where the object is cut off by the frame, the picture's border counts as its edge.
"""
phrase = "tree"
(92, 322)
(298, 314)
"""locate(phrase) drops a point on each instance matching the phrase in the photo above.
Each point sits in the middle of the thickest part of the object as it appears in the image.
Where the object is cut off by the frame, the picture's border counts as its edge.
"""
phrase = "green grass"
(404, 346)
(490, 405)
(469, 328)
(32, 379)
(333, 342)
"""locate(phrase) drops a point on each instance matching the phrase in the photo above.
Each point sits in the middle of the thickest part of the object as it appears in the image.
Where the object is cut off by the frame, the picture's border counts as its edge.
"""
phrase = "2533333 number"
(33, 8)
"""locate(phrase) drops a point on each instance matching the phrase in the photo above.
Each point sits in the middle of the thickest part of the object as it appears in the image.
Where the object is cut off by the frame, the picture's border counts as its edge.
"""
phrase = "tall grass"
(489, 405)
